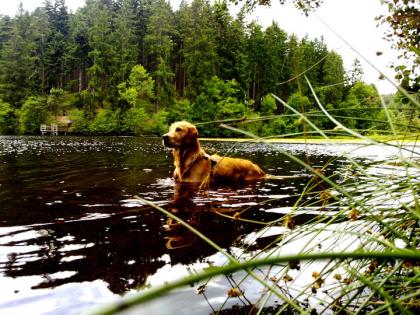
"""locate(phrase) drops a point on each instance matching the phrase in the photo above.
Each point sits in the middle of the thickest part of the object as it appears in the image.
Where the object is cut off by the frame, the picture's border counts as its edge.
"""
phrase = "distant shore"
(317, 140)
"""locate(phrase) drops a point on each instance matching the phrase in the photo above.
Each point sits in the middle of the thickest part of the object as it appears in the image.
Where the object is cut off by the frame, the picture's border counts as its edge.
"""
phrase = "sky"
(353, 20)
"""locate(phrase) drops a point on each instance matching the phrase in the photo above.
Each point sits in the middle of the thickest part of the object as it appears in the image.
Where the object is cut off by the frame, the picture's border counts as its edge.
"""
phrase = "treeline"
(134, 66)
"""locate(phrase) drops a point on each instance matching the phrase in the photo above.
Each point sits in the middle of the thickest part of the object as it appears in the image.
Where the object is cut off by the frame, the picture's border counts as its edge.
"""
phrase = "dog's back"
(235, 169)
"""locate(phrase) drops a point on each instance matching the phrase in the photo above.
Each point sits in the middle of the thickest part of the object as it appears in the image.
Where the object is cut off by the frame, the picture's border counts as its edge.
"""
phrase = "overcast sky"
(352, 19)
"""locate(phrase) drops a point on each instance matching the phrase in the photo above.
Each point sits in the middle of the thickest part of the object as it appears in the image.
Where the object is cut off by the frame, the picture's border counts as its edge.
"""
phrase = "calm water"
(72, 235)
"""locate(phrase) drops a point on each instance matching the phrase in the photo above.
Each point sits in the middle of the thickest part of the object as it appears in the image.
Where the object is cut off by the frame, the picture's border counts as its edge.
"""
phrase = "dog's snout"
(166, 141)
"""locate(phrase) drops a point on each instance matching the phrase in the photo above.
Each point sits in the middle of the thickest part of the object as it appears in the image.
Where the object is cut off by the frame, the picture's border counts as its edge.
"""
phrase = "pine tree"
(5, 29)
(124, 38)
(17, 61)
(275, 69)
(40, 28)
(333, 79)
(238, 41)
(199, 45)
(78, 51)
(182, 21)
(159, 43)
(99, 33)
(56, 46)
(355, 73)
(256, 55)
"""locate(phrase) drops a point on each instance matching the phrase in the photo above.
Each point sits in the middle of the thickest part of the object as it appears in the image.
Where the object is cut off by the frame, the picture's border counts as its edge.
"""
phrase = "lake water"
(73, 235)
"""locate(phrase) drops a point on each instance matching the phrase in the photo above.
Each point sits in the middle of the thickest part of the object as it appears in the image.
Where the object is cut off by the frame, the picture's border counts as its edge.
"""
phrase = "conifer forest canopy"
(135, 66)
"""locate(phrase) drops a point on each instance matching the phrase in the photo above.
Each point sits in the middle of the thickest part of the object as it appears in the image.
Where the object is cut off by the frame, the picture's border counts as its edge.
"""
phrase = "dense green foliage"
(131, 66)
(6, 118)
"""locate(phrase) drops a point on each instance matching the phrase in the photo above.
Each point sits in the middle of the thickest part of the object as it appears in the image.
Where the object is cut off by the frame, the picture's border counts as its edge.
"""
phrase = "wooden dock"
(54, 129)
(60, 124)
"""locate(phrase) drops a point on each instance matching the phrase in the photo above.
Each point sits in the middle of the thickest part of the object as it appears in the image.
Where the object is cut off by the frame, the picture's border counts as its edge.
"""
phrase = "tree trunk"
(80, 79)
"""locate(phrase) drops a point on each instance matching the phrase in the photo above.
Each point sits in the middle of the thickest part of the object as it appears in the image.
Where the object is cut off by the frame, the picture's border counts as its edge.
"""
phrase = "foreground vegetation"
(133, 67)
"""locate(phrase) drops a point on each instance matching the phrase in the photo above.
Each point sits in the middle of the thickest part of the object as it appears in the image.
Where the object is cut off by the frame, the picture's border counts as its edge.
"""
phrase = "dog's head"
(180, 134)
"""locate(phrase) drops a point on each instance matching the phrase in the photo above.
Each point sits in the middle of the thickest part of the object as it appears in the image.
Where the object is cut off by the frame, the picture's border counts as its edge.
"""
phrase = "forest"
(135, 66)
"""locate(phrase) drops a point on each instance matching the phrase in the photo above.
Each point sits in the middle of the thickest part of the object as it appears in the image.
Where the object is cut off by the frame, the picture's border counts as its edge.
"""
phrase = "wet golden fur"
(192, 164)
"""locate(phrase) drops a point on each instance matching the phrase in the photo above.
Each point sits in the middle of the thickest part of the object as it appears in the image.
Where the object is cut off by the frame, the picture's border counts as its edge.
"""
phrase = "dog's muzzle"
(166, 141)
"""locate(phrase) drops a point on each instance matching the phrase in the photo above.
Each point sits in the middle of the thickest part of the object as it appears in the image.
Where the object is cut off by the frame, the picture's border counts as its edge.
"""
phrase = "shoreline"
(379, 140)
(314, 141)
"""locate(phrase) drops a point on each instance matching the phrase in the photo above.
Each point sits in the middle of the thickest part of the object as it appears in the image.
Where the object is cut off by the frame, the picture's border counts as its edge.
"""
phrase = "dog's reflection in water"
(182, 206)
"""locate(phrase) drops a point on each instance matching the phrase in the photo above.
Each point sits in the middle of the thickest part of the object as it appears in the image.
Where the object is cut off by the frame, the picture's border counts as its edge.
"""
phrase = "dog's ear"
(192, 134)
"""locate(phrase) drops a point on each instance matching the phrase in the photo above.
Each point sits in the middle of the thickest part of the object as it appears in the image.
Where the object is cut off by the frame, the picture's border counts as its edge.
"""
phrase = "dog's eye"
(178, 129)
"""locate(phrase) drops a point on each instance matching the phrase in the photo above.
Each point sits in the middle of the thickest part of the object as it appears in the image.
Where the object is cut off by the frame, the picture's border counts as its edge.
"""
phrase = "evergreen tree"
(78, 51)
(355, 73)
(125, 45)
(199, 45)
(101, 51)
(238, 42)
(40, 29)
(17, 61)
(142, 9)
(182, 21)
(56, 45)
(5, 29)
(333, 79)
(159, 44)
(313, 56)
(256, 56)
(275, 68)
(224, 47)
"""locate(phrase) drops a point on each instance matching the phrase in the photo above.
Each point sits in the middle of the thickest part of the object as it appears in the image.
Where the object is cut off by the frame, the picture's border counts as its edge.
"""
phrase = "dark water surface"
(72, 235)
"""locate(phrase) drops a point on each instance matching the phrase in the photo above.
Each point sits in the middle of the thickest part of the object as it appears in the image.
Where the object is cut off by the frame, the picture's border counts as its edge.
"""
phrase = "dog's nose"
(165, 140)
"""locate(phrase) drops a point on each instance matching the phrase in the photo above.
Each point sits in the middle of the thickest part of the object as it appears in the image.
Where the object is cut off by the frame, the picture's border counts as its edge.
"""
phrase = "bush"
(360, 106)
(219, 100)
(157, 124)
(268, 105)
(32, 114)
(278, 126)
(134, 120)
(180, 110)
(105, 122)
(79, 123)
(7, 118)
(297, 101)
(249, 125)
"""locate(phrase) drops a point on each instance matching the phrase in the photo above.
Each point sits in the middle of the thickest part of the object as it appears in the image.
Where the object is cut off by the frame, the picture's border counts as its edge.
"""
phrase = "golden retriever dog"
(194, 165)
